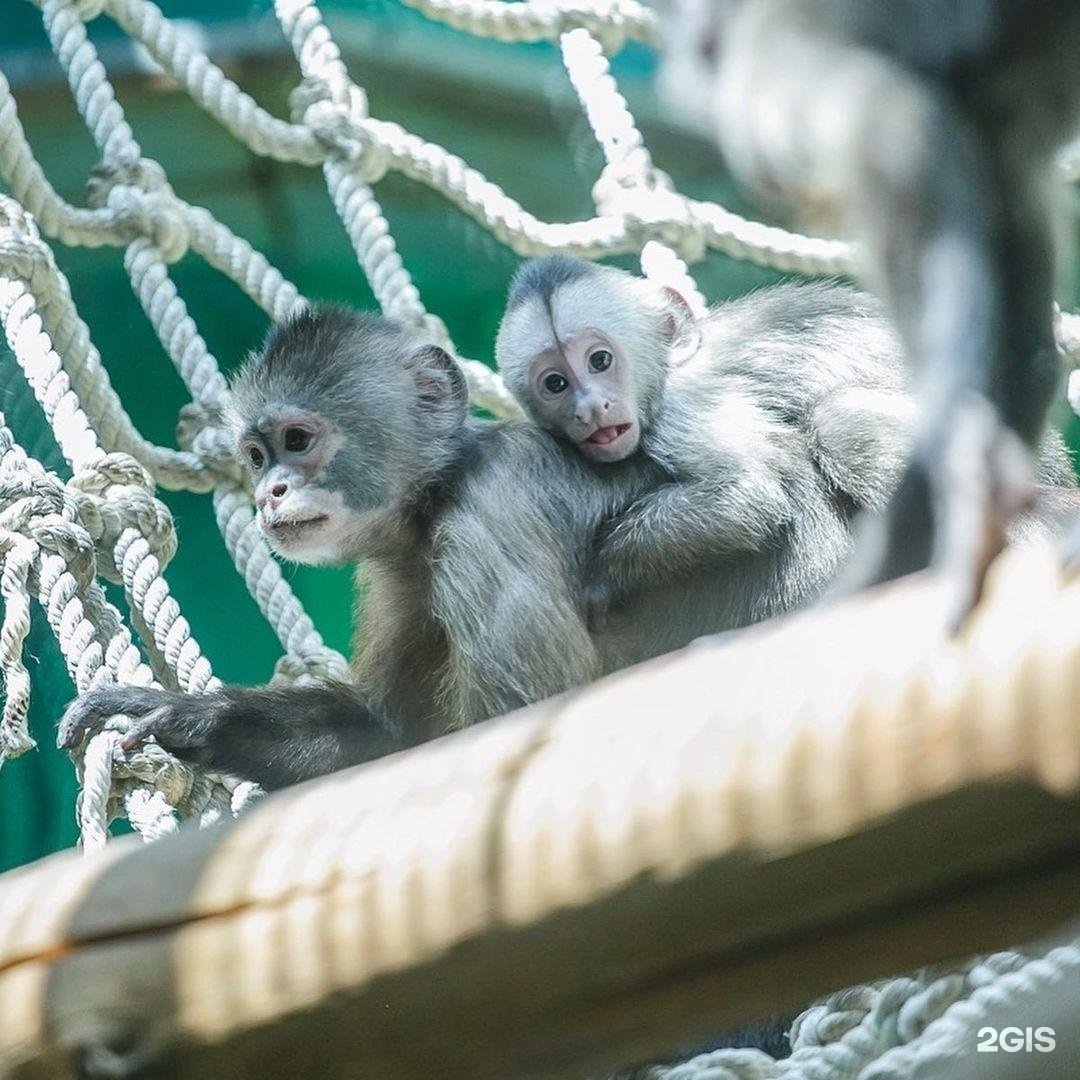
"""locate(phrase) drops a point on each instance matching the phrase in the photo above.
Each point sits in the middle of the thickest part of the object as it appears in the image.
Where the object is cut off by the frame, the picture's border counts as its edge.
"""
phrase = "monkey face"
(587, 350)
(303, 513)
(341, 419)
(583, 389)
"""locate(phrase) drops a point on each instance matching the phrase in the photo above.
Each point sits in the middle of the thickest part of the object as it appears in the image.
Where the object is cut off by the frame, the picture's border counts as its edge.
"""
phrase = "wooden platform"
(719, 834)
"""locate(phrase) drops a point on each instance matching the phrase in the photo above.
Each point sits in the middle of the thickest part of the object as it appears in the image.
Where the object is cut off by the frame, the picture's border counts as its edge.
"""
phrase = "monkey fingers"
(983, 480)
(179, 722)
(92, 709)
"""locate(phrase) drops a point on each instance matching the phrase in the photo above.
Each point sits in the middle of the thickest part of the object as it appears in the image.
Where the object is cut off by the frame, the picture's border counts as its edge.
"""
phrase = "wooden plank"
(675, 850)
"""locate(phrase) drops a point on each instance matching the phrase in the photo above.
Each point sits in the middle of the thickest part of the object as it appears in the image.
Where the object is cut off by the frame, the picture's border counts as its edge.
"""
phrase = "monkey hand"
(182, 723)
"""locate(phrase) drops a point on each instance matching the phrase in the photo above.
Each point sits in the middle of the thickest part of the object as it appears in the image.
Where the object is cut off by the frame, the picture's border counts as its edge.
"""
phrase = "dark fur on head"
(542, 276)
(399, 403)
(560, 305)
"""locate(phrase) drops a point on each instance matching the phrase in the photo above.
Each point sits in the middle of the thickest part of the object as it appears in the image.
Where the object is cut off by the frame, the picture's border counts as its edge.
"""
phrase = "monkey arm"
(678, 527)
(275, 736)
(954, 224)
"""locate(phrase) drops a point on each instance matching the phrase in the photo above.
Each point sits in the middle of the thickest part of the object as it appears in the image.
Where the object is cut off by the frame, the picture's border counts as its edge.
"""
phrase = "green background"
(507, 110)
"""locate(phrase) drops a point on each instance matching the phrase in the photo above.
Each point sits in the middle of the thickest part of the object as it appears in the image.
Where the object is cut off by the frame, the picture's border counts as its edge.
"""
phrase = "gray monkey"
(927, 130)
(473, 537)
(775, 419)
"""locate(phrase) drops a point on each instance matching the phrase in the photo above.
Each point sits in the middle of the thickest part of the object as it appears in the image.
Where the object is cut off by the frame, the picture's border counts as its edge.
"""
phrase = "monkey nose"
(591, 410)
(272, 497)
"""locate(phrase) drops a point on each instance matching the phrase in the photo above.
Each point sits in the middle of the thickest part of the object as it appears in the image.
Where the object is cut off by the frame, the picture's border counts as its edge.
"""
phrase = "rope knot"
(203, 430)
(339, 122)
(652, 209)
(605, 20)
(139, 194)
(40, 507)
(17, 221)
(117, 493)
(155, 766)
(111, 470)
(21, 247)
(71, 541)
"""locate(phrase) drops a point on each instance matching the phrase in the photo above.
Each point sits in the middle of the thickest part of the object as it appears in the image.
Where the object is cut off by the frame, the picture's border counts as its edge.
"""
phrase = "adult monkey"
(474, 537)
(927, 128)
(477, 537)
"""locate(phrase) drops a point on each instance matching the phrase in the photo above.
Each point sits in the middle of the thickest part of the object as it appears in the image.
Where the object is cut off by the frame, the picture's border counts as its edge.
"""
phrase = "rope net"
(58, 536)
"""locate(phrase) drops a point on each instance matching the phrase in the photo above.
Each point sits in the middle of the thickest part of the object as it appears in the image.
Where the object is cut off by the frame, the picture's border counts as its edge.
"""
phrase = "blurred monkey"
(926, 129)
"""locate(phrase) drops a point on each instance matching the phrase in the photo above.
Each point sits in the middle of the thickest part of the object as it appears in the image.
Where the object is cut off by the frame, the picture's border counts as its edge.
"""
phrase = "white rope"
(545, 20)
(898, 1029)
(630, 185)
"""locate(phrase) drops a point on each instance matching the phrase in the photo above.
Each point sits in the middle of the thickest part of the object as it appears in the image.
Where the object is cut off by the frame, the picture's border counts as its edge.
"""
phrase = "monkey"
(776, 419)
(926, 130)
(475, 540)
(472, 536)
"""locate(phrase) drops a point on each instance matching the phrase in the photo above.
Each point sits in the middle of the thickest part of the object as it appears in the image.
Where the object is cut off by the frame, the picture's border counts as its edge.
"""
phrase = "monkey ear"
(683, 330)
(440, 384)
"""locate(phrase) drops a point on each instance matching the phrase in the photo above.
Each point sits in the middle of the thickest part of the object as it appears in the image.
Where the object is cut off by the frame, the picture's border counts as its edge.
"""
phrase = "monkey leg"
(846, 130)
(985, 408)
(952, 509)
(962, 255)
(938, 177)
(860, 439)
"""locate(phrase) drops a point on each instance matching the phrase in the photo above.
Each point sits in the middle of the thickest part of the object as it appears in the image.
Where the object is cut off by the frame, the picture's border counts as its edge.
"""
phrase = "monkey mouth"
(605, 435)
(294, 528)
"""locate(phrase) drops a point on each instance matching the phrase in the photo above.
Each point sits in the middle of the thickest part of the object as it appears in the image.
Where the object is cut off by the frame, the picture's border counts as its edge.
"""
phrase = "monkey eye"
(600, 360)
(554, 383)
(256, 457)
(297, 440)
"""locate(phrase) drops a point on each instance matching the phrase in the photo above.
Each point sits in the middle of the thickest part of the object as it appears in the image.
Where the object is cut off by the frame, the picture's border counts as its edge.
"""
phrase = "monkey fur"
(477, 539)
(473, 537)
(775, 419)
(926, 130)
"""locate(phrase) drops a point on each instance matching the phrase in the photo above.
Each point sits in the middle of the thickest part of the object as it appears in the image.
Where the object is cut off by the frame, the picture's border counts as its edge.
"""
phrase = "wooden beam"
(717, 835)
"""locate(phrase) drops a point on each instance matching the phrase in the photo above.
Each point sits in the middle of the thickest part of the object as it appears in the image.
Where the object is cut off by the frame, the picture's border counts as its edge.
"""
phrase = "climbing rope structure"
(60, 534)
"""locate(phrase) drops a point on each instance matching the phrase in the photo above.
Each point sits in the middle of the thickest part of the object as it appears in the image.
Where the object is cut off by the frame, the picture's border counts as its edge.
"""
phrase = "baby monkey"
(775, 418)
